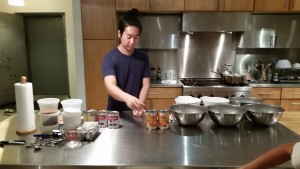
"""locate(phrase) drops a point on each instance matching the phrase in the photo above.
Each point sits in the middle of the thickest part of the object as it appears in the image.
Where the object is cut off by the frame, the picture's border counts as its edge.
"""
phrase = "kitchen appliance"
(198, 87)
(216, 21)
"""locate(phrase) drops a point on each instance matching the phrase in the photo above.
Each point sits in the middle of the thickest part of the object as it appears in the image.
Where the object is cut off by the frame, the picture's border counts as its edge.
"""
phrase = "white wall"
(71, 9)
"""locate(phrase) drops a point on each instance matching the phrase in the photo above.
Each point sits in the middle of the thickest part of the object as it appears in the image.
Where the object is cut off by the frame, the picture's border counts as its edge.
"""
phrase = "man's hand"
(139, 113)
(135, 104)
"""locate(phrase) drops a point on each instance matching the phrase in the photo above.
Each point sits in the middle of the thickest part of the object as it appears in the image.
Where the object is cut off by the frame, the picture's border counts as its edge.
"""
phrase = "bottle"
(158, 74)
(269, 75)
(275, 78)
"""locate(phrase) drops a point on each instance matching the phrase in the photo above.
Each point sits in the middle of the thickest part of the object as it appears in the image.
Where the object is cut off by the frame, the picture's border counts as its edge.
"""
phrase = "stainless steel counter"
(266, 84)
(158, 83)
(133, 146)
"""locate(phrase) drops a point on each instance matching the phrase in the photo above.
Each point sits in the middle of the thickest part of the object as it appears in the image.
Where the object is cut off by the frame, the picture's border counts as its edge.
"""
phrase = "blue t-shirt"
(129, 72)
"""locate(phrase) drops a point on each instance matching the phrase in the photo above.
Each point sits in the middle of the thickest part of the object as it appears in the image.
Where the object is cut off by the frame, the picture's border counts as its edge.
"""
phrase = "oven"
(198, 87)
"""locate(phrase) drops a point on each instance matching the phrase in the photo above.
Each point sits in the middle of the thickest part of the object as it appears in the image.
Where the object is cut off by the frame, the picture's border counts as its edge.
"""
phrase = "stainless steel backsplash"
(201, 53)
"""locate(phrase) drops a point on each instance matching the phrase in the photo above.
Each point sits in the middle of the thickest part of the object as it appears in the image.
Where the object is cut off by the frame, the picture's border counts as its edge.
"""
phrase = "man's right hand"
(135, 104)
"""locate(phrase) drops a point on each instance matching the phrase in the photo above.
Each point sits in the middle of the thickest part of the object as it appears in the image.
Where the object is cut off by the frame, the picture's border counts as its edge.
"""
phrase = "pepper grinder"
(275, 78)
(158, 73)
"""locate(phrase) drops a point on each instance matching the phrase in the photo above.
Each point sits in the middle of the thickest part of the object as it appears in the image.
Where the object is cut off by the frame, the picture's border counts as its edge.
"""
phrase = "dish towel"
(169, 81)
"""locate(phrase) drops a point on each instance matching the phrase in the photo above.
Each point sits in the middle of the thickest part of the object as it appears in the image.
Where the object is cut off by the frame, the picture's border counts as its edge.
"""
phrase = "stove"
(213, 87)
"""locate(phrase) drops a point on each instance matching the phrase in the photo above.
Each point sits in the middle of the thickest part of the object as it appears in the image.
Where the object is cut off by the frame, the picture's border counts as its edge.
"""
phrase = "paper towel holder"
(23, 80)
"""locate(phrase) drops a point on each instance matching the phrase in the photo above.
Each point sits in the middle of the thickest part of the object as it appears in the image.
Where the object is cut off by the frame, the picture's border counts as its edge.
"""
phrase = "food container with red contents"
(151, 119)
(163, 119)
(113, 119)
(101, 118)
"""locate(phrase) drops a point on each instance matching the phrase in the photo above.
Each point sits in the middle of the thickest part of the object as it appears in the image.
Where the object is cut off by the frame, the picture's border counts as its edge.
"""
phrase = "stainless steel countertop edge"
(157, 83)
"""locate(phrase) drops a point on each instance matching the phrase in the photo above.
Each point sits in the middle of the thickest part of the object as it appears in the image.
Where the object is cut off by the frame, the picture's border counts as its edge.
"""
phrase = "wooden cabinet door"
(290, 105)
(125, 5)
(166, 5)
(271, 5)
(201, 5)
(94, 51)
(275, 102)
(98, 19)
(160, 104)
(294, 5)
(164, 92)
(162, 97)
(266, 93)
(290, 93)
(236, 5)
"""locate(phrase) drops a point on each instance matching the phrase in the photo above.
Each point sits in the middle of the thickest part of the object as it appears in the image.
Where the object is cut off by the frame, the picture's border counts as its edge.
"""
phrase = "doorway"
(47, 56)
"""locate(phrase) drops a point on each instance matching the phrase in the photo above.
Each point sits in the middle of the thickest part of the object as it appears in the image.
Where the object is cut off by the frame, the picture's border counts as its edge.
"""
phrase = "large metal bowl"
(226, 115)
(263, 114)
(241, 101)
(187, 114)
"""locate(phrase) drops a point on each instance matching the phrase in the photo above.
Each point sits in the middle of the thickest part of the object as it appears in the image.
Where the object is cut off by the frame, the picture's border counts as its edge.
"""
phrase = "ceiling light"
(16, 2)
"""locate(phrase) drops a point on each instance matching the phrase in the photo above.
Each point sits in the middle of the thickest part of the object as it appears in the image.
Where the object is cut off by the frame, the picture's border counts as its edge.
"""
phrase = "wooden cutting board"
(291, 120)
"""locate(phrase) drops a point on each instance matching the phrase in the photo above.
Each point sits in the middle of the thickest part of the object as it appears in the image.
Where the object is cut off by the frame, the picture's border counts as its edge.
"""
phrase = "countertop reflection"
(203, 146)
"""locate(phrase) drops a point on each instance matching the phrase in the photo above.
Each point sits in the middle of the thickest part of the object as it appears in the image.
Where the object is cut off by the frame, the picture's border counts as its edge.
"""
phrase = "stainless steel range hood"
(216, 22)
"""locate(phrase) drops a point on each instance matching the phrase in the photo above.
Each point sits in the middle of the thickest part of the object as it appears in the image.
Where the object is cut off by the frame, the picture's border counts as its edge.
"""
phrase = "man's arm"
(145, 90)
(271, 158)
(114, 91)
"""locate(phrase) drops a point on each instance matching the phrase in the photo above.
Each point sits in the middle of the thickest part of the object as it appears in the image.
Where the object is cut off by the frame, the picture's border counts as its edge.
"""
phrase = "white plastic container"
(72, 112)
(48, 105)
(49, 119)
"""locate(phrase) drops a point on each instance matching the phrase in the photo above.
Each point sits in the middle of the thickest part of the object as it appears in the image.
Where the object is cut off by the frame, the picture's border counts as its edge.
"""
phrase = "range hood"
(160, 31)
(216, 22)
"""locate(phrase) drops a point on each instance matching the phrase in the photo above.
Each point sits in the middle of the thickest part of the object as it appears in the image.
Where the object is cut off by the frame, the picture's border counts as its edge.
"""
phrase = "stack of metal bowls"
(226, 115)
(187, 114)
(241, 101)
(263, 114)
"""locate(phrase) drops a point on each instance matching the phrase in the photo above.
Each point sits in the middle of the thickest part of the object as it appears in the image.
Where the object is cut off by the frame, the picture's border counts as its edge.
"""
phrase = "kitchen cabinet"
(166, 5)
(290, 99)
(162, 97)
(218, 5)
(125, 5)
(94, 51)
(98, 19)
(99, 37)
(294, 5)
(201, 5)
(271, 5)
(268, 95)
(236, 5)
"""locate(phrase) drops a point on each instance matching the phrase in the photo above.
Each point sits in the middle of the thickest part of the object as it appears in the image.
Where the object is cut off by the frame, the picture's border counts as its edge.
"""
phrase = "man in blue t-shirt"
(126, 70)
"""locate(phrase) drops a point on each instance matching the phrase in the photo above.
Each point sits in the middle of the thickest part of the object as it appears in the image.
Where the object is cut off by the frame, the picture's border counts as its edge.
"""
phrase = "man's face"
(130, 37)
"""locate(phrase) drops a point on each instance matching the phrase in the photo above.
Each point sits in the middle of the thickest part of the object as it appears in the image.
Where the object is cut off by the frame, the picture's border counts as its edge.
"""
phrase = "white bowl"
(283, 64)
(296, 65)
(208, 101)
(187, 100)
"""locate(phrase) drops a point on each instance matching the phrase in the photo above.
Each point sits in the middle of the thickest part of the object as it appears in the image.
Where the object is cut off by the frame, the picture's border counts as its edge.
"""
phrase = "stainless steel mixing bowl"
(226, 115)
(241, 101)
(187, 114)
(263, 114)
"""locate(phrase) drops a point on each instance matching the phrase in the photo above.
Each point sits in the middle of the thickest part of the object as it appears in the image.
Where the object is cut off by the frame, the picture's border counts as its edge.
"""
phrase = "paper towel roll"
(25, 108)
